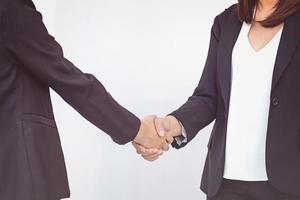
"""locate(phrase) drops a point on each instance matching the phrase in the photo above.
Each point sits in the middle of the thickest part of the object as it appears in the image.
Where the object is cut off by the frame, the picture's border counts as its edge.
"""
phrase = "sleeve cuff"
(182, 138)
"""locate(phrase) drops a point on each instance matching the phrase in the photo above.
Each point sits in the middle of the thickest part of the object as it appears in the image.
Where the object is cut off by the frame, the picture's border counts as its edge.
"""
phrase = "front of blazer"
(32, 165)
(210, 101)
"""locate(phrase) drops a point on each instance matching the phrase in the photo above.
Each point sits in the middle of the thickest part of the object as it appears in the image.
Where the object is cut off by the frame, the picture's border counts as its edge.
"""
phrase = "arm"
(200, 109)
(29, 44)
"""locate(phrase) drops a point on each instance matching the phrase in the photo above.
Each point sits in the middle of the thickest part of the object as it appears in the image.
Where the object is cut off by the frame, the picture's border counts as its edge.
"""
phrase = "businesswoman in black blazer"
(31, 159)
(250, 86)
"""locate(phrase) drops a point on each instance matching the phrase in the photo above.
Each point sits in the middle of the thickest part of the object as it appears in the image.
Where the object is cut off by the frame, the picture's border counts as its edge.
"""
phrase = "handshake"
(155, 136)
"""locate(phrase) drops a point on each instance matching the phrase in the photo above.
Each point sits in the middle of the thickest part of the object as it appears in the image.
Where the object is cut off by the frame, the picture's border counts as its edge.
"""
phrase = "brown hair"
(284, 8)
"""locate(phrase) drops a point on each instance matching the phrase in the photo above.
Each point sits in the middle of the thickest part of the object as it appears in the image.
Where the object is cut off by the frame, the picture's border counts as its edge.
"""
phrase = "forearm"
(193, 116)
(28, 43)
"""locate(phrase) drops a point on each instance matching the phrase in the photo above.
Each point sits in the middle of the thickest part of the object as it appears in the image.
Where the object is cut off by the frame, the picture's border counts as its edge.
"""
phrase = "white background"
(149, 54)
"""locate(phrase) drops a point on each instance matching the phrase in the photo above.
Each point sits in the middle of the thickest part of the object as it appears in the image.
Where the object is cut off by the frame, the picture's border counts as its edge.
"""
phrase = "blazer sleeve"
(200, 108)
(28, 42)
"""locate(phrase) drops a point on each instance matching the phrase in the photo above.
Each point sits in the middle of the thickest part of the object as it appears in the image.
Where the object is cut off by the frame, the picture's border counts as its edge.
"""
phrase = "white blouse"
(249, 108)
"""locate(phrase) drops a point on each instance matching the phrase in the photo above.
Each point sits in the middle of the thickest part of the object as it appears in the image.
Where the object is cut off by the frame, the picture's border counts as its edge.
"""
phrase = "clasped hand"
(155, 136)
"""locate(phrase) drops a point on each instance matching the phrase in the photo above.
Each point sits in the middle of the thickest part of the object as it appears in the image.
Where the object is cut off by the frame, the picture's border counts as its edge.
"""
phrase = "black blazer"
(210, 101)
(31, 160)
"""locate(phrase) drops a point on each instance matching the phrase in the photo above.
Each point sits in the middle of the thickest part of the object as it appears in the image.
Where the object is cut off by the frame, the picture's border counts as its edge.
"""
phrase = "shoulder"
(17, 16)
(16, 10)
(4, 5)
(13, 5)
(230, 12)
(225, 18)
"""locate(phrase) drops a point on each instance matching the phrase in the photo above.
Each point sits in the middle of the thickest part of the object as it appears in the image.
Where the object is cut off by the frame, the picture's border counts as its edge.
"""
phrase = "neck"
(267, 4)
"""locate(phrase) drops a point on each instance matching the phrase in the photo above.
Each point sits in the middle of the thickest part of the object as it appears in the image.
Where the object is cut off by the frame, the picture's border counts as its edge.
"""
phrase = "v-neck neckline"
(247, 30)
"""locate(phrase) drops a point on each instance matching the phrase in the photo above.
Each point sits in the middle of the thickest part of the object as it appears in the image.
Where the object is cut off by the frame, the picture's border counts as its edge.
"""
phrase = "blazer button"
(275, 101)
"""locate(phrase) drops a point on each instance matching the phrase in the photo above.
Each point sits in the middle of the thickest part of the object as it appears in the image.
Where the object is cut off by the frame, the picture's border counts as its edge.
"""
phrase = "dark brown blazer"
(210, 101)
(32, 165)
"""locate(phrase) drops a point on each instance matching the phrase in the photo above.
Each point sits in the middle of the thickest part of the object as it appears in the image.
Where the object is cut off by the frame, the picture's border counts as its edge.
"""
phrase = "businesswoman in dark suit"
(250, 86)
(31, 159)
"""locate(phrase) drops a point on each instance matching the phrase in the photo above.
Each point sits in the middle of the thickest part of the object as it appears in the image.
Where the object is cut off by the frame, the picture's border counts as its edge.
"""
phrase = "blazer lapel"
(288, 43)
(230, 34)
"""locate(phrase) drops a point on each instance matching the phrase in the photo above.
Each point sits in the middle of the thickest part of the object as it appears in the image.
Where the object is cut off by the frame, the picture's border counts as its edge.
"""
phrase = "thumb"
(159, 125)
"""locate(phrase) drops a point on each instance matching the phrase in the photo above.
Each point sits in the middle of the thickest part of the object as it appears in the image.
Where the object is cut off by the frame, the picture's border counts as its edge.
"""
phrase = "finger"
(159, 126)
(165, 146)
(143, 150)
(151, 152)
(166, 123)
(139, 148)
(160, 152)
(153, 157)
(150, 117)
(169, 139)
(150, 155)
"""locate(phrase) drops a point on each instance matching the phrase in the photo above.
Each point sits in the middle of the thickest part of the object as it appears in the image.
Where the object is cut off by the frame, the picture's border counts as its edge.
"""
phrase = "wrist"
(176, 126)
(140, 131)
